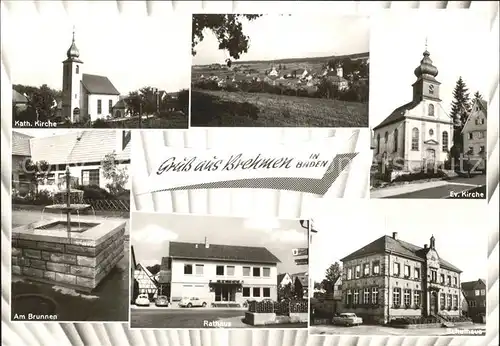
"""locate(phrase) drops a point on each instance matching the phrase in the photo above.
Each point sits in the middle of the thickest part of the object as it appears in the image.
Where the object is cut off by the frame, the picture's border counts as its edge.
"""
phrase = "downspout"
(388, 289)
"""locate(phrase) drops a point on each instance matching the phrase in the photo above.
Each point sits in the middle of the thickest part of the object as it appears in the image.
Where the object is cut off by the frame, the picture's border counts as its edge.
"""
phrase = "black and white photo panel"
(197, 271)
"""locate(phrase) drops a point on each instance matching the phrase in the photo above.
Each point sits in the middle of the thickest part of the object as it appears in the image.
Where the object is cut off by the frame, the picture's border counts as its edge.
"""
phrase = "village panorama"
(240, 85)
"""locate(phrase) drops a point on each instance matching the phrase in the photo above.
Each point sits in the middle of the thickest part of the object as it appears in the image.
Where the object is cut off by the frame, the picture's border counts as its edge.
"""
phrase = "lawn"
(240, 109)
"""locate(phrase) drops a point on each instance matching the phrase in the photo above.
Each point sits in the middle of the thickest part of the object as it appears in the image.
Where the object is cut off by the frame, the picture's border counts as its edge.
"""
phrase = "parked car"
(162, 301)
(142, 300)
(192, 302)
(347, 319)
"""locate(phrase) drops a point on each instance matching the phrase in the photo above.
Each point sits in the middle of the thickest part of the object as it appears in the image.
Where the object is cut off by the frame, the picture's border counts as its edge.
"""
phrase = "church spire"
(73, 51)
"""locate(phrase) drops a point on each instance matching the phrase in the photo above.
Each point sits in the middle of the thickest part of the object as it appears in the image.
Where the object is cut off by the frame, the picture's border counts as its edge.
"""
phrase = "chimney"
(425, 246)
(206, 243)
(395, 235)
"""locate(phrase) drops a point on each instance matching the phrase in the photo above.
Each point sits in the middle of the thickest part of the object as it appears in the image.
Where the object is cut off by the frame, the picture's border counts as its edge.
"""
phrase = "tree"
(317, 285)
(460, 108)
(183, 101)
(117, 176)
(477, 95)
(285, 292)
(227, 28)
(331, 276)
(298, 289)
(154, 269)
(35, 172)
(42, 102)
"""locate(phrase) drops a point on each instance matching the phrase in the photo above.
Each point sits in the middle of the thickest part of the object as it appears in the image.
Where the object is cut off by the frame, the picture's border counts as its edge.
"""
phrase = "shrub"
(100, 124)
(94, 192)
(420, 175)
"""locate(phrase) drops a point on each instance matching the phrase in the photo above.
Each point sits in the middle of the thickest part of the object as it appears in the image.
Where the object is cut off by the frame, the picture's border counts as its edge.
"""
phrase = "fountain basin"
(71, 208)
(46, 252)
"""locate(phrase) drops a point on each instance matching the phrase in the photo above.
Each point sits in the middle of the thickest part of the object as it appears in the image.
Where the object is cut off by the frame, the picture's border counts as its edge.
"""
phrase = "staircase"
(443, 320)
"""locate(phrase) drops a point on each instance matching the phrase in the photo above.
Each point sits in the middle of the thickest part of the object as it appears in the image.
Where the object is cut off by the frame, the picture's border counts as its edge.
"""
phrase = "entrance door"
(225, 294)
(433, 303)
(430, 156)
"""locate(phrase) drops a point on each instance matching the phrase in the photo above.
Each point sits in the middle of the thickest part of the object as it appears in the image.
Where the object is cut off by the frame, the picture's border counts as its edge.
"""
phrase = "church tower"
(71, 88)
(426, 87)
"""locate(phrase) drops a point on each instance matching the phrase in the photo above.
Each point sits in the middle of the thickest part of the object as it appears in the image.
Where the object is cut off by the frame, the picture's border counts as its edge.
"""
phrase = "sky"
(151, 233)
(292, 36)
(456, 232)
(131, 52)
(455, 42)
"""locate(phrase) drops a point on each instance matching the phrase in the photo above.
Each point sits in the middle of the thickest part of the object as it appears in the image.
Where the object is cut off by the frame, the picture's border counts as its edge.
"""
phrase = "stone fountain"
(68, 253)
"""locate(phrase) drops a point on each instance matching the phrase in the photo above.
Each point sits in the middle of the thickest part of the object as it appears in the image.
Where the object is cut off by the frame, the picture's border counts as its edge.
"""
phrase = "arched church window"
(77, 69)
(386, 136)
(414, 139)
(431, 110)
(396, 133)
(445, 141)
(378, 143)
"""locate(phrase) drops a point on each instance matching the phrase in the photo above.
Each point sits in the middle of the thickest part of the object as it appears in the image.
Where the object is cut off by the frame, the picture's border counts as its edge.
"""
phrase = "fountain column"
(68, 201)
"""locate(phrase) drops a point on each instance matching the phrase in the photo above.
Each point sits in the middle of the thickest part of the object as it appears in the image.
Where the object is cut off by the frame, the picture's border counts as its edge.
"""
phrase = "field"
(222, 108)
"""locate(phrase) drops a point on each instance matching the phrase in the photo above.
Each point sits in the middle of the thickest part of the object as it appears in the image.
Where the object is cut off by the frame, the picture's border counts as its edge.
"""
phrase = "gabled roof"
(145, 270)
(21, 144)
(469, 285)
(484, 107)
(17, 97)
(78, 147)
(397, 115)
(386, 244)
(98, 85)
(281, 277)
(302, 277)
(120, 104)
(92, 146)
(250, 254)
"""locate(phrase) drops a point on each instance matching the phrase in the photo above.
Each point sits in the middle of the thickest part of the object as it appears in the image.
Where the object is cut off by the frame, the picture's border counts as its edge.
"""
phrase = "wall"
(389, 146)
(105, 111)
(438, 123)
(199, 283)
(476, 142)
(65, 264)
(17, 161)
(76, 171)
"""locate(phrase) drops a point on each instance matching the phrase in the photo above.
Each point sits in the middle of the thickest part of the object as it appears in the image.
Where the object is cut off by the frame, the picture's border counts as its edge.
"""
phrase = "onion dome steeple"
(426, 68)
(73, 51)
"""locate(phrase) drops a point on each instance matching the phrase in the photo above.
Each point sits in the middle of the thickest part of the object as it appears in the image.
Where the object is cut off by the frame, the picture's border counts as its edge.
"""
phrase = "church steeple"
(426, 85)
(73, 52)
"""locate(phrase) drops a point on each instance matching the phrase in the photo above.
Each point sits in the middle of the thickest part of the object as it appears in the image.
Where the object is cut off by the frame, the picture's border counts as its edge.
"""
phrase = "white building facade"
(86, 96)
(419, 133)
(220, 273)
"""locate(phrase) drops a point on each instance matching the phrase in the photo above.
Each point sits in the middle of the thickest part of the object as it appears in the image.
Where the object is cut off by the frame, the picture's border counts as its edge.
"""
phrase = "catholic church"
(420, 132)
(87, 96)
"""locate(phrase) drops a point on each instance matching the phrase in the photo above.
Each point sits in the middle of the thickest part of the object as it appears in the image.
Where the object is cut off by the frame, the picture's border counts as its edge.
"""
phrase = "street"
(453, 190)
(108, 302)
(477, 329)
(194, 318)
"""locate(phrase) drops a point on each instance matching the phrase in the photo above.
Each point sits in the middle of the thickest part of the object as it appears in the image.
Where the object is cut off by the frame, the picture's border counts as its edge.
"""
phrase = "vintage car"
(192, 302)
(142, 300)
(162, 301)
(347, 319)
